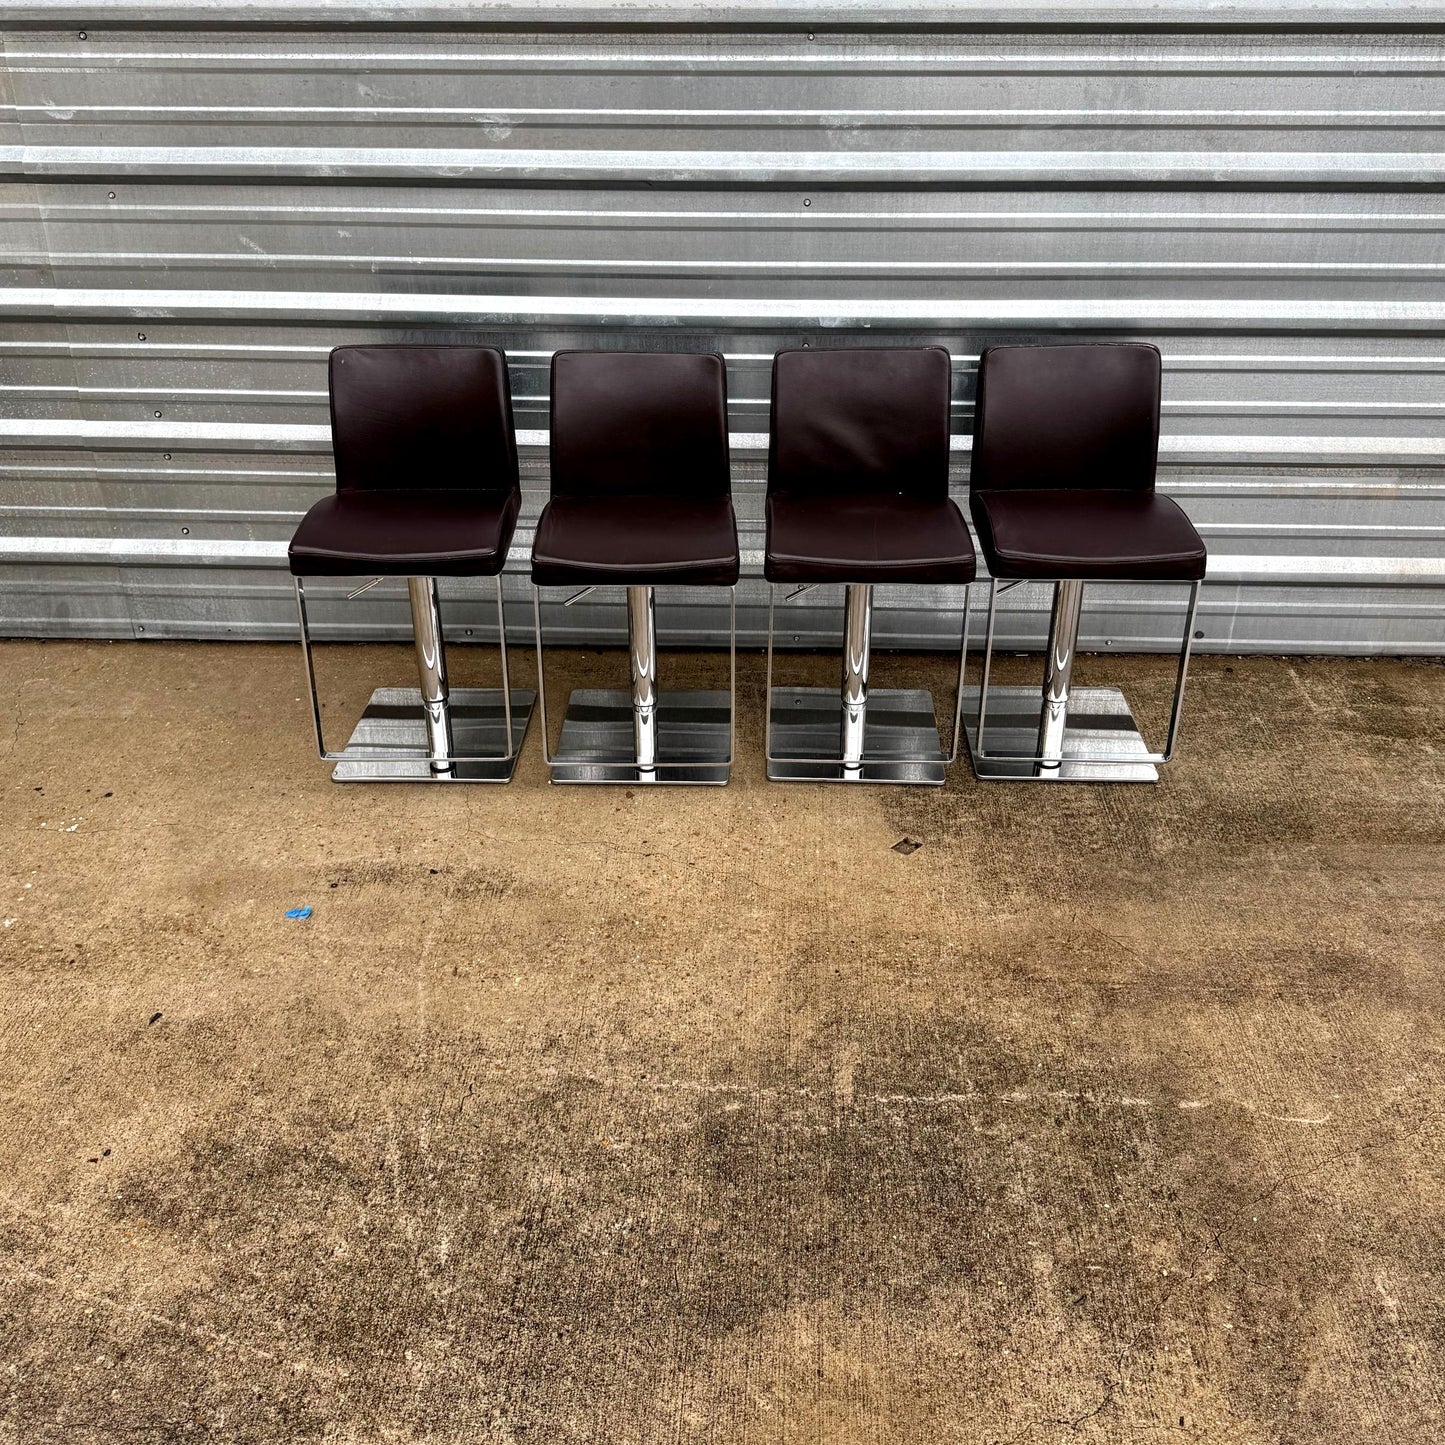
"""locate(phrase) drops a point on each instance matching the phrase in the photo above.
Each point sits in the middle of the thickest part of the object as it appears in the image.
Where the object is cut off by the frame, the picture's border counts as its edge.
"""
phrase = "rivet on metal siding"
(84, 36)
(140, 336)
(165, 456)
(185, 531)
(1198, 635)
(158, 416)
(110, 195)
(807, 202)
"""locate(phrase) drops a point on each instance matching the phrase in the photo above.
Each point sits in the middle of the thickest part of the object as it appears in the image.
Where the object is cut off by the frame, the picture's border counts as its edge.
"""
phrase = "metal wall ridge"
(680, 270)
(950, 168)
(1156, 314)
(1178, 450)
(698, 117)
(1228, 15)
(1225, 569)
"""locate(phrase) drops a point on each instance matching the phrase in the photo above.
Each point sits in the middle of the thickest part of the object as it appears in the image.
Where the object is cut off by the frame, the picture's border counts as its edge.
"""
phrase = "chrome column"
(642, 657)
(857, 633)
(1058, 674)
(431, 665)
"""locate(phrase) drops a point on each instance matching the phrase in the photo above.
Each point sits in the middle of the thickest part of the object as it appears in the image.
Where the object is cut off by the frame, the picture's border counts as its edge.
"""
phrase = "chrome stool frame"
(424, 734)
(1100, 741)
(592, 747)
(904, 755)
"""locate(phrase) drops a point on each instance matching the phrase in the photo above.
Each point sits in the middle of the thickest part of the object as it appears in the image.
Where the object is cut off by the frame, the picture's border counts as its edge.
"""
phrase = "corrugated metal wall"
(197, 201)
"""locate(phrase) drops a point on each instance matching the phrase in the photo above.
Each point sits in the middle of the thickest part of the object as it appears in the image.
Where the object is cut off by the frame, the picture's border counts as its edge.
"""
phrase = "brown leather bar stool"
(1066, 444)
(426, 487)
(858, 495)
(641, 498)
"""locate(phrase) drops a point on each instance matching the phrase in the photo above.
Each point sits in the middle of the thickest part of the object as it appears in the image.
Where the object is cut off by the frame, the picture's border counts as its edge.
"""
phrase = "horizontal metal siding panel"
(729, 109)
(190, 602)
(534, 14)
(1357, 400)
(1267, 206)
(1307, 259)
(412, 311)
(1071, 14)
(1343, 388)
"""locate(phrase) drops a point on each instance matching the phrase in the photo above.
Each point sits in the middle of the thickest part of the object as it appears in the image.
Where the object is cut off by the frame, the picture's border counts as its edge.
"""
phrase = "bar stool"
(426, 487)
(858, 494)
(1066, 444)
(641, 498)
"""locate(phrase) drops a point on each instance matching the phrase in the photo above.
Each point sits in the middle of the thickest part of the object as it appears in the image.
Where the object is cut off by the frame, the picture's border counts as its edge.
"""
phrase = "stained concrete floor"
(580, 1115)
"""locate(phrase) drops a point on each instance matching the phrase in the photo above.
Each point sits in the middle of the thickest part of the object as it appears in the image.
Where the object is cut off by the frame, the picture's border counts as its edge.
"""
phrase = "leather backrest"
(639, 423)
(422, 417)
(1067, 416)
(860, 420)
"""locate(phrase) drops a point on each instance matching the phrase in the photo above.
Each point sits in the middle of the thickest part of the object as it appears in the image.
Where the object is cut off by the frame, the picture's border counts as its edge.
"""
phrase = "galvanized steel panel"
(198, 201)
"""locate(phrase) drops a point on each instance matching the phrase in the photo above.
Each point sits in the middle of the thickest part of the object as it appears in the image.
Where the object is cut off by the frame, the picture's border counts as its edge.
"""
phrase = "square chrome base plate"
(1099, 721)
(900, 738)
(393, 720)
(598, 744)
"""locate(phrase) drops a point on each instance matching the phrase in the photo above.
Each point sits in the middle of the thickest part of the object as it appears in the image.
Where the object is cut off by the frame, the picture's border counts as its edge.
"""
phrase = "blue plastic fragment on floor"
(302, 912)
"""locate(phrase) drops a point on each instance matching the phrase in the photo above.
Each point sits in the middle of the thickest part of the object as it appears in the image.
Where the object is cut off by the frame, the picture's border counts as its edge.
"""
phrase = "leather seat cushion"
(1087, 533)
(405, 534)
(867, 538)
(636, 541)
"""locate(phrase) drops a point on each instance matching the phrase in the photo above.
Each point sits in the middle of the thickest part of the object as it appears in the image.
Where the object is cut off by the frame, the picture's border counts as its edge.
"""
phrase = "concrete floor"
(583, 1115)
